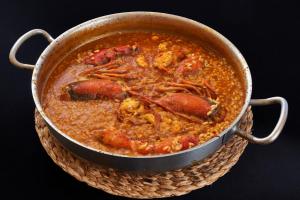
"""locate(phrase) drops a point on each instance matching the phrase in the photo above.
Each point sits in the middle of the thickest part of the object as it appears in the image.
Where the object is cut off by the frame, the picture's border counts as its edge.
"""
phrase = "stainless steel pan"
(93, 29)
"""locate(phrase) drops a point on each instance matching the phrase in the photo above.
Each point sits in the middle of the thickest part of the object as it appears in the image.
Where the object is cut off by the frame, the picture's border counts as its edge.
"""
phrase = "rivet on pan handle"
(20, 41)
(279, 126)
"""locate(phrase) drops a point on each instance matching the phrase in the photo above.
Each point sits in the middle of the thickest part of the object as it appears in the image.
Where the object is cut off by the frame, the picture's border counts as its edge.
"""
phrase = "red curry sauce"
(143, 93)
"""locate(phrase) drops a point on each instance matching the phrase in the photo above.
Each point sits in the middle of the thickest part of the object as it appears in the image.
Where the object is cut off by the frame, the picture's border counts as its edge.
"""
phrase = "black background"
(267, 33)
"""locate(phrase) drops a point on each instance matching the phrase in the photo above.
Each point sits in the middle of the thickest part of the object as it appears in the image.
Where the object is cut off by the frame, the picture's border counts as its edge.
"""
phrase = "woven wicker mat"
(171, 183)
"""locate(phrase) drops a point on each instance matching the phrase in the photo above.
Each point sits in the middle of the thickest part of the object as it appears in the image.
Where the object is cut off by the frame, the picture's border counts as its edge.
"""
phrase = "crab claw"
(95, 89)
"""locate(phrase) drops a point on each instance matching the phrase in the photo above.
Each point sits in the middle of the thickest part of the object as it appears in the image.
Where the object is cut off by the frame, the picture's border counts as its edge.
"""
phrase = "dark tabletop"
(267, 34)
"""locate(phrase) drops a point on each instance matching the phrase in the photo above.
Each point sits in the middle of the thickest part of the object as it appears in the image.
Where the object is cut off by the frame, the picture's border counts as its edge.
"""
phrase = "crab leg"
(101, 76)
(94, 89)
(186, 86)
(204, 85)
(110, 65)
(167, 89)
(126, 76)
(117, 71)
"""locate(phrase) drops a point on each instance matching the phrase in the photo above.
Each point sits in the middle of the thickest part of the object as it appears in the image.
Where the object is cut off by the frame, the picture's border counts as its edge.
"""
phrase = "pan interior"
(135, 21)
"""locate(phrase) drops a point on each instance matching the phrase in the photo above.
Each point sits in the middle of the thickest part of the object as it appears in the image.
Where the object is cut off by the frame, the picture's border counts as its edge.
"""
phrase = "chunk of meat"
(189, 66)
(141, 61)
(164, 146)
(169, 145)
(106, 55)
(149, 118)
(163, 60)
(129, 105)
(188, 141)
(143, 147)
(115, 139)
(163, 46)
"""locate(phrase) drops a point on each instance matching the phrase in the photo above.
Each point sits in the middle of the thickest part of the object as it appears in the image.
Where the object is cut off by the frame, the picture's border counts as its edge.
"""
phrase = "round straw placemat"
(128, 184)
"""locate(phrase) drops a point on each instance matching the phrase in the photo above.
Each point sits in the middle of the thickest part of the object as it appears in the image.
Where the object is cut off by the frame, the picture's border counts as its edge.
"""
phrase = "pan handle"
(20, 41)
(279, 126)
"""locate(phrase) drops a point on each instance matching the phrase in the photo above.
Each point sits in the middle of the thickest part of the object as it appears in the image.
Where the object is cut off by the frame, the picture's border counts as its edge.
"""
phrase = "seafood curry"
(143, 93)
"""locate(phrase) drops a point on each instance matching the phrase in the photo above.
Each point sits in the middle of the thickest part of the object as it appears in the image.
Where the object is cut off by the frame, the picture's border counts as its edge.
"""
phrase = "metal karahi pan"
(93, 29)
